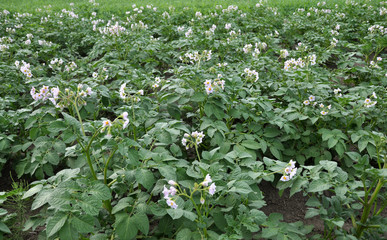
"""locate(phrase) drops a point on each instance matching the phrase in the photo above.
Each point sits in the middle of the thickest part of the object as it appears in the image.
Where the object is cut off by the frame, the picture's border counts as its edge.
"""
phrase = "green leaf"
(68, 232)
(55, 223)
(175, 213)
(184, 234)
(332, 142)
(330, 166)
(269, 232)
(276, 153)
(52, 157)
(271, 132)
(41, 199)
(354, 156)
(100, 191)
(123, 203)
(125, 227)
(168, 172)
(142, 223)
(57, 126)
(145, 177)
(90, 205)
(362, 144)
(241, 187)
(318, 185)
(311, 212)
(259, 216)
(71, 121)
(83, 223)
(32, 191)
(4, 228)
(251, 144)
(190, 215)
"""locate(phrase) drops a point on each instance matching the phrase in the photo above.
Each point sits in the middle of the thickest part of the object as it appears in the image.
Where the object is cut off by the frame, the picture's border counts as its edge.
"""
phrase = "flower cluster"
(54, 63)
(368, 102)
(334, 42)
(44, 43)
(300, 63)
(171, 193)
(157, 82)
(251, 74)
(197, 57)
(289, 171)
(337, 92)
(377, 29)
(311, 98)
(130, 97)
(301, 47)
(192, 140)
(138, 26)
(374, 64)
(70, 67)
(325, 110)
(25, 68)
(3, 47)
(214, 86)
(211, 31)
(284, 53)
(112, 30)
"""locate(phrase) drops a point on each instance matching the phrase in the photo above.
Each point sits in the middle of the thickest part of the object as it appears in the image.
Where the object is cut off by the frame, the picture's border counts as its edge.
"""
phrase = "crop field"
(193, 120)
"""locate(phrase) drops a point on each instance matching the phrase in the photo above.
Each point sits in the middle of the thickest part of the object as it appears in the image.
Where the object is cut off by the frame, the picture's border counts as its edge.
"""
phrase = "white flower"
(171, 203)
(202, 200)
(106, 123)
(321, 105)
(209, 89)
(166, 193)
(207, 180)
(171, 182)
(125, 117)
(172, 191)
(312, 98)
(324, 113)
(95, 74)
(374, 95)
(293, 172)
(292, 163)
(212, 189)
(285, 178)
(89, 91)
(306, 102)
(288, 170)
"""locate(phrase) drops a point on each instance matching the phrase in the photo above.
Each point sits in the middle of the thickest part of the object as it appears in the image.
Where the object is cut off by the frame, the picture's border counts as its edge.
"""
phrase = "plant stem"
(197, 152)
(79, 117)
(107, 164)
(368, 206)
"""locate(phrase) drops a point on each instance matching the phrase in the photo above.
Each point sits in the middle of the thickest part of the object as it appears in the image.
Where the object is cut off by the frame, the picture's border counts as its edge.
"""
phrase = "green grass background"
(119, 6)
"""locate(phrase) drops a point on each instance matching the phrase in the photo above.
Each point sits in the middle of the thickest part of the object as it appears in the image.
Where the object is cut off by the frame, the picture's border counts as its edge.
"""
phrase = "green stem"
(107, 164)
(79, 116)
(368, 206)
(197, 152)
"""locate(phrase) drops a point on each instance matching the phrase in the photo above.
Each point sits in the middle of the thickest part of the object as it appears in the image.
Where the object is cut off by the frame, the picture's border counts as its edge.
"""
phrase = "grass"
(117, 6)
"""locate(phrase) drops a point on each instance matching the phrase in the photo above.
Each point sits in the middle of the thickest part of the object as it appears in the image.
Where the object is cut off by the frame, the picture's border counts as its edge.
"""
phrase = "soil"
(292, 208)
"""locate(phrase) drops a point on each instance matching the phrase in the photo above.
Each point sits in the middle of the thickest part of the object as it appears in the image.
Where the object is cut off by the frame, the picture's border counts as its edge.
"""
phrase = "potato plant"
(161, 123)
